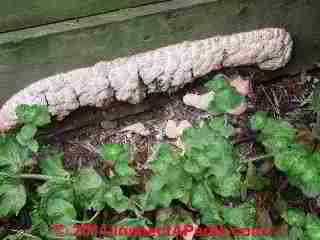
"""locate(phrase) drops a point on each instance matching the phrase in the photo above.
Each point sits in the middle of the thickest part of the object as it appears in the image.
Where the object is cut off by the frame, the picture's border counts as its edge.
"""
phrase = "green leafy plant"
(16, 156)
(64, 197)
(226, 98)
(31, 117)
(119, 156)
(300, 164)
(302, 226)
(67, 197)
(206, 169)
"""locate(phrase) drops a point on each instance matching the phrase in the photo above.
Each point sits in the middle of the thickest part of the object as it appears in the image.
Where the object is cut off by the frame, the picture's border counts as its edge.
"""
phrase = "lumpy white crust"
(169, 68)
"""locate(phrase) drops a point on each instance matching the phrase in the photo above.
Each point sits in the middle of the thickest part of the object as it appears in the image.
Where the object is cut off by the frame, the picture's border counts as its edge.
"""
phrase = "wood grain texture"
(17, 14)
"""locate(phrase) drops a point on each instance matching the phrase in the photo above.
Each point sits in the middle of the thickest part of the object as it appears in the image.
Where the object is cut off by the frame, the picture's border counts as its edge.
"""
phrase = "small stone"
(183, 125)
(137, 128)
(242, 86)
(199, 101)
(171, 129)
(174, 131)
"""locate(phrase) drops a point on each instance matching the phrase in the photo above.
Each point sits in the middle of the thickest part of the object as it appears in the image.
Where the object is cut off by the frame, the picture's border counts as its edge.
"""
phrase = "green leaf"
(226, 100)
(13, 156)
(226, 97)
(277, 145)
(209, 206)
(273, 128)
(223, 166)
(259, 121)
(166, 157)
(98, 201)
(61, 211)
(301, 165)
(116, 200)
(173, 184)
(198, 137)
(221, 126)
(12, 199)
(279, 128)
(39, 225)
(54, 189)
(294, 217)
(296, 233)
(34, 114)
(157, 182)
(116, 152)
(218, 82)
(123, 169)
(87, 185)
(53, 165)
(202, 158)
(88, 181)
(120, 155)
(27, 132)
(227, 186)
(243, 216)
(208, 148)
(312, 226)
(33, 145)
(192, 166)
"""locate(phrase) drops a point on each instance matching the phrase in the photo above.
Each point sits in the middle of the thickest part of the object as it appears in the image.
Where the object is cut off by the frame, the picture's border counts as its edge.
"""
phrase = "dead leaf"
(199, 101)
(174, 130)
(306, 138)
(242, 86)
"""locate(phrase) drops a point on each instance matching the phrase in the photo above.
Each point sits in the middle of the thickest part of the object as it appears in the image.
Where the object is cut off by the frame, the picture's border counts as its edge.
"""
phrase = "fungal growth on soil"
(131, 79)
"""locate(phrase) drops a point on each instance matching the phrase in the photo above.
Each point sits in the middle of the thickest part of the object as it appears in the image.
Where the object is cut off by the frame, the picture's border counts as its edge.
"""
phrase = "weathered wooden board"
(32, 54)
(17, 14)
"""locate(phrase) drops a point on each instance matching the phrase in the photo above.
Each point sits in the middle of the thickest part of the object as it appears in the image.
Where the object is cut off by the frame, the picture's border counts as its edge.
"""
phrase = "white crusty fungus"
(132, 78)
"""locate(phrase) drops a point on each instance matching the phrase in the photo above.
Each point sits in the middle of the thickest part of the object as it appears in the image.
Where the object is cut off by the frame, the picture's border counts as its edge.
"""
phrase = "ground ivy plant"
(226, 98)
(197, 177)
(299, 162)
(302, 225)
(63, 197)
(186, 186)
(16, 156)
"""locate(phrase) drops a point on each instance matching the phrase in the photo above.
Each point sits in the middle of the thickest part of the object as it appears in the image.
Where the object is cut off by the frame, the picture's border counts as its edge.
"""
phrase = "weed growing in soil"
(204, 184)
(226, 98)
(299, 162)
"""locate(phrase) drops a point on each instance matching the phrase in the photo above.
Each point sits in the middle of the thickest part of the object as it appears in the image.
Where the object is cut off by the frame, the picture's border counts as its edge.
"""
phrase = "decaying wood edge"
(131, 79)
